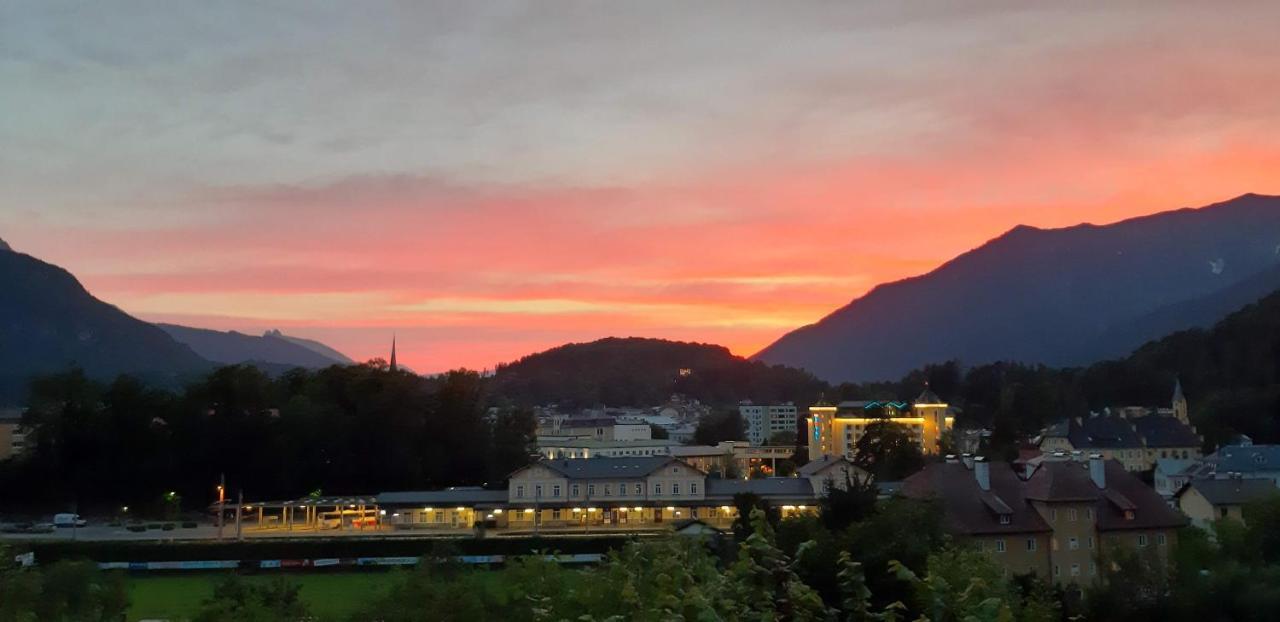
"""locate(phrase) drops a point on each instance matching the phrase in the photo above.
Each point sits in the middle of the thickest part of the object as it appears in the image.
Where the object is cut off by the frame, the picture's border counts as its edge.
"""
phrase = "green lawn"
(330, 596)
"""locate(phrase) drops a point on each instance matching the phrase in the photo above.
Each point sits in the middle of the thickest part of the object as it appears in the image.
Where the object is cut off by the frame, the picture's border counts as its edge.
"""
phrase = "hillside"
(272, 348)
(646, 372)
(1060, 297)
(49, 322)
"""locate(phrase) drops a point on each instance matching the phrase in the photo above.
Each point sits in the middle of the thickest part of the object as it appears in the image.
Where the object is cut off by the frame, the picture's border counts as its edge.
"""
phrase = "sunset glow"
(489, 183)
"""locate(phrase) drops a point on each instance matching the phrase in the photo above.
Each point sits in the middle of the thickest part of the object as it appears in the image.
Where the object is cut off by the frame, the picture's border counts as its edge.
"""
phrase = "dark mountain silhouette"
(313, 345)
(49, 323)
(272, 348)
(646, 372)
(1060, 296)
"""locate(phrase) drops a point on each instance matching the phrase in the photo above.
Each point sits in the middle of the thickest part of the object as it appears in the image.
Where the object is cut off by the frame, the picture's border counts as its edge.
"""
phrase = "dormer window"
(1005, 519)
(1128, 515)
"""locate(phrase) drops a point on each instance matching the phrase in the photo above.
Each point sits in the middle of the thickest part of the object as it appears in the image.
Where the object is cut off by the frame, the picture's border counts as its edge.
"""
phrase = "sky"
(489, 179)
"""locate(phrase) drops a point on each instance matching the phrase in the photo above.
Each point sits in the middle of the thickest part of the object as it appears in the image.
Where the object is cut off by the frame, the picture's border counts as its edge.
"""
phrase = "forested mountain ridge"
(49, 322)
(645, 372)
(1060, 297)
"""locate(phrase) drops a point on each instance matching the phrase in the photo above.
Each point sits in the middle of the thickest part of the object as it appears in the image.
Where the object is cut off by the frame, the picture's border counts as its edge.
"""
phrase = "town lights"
(497, 511)
(577, 510)
(725, 508)
(528, 511)
(427, 510)
(460, 509)
(637, 508)
(591, 509)
(671, 508)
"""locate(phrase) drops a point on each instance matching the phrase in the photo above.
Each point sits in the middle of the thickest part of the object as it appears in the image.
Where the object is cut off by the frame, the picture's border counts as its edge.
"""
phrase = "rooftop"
(1247, 458)
(611, 468)
(1232, 491)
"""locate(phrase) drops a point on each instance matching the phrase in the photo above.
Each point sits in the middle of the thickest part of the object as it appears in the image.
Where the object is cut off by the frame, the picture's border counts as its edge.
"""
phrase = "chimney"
(982, 472)
(1098, 471)
(967, 459)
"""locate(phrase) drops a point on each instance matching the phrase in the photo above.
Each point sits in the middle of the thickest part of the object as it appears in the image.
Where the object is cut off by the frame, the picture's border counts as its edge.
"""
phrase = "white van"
(68, 520)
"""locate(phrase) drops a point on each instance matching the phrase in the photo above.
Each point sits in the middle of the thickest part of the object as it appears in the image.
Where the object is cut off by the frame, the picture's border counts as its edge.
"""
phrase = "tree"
(236, 600)
(842, 506)
(720, 426)
(785, 438)
(888, 451)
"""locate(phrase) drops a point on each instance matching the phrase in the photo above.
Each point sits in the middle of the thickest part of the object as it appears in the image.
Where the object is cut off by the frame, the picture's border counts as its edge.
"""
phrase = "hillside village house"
(835, 430)
(1206, 501)
(626, 494)
(1051, 518)
(1136, 436)
(1243, 461)
(12, 438)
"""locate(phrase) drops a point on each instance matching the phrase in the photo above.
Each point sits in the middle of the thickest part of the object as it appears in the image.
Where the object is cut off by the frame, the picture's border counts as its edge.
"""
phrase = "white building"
(763, 421)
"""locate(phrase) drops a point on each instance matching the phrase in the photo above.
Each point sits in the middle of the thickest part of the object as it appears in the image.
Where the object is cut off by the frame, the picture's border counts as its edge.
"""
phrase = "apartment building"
(762, 421)
(1052, 518)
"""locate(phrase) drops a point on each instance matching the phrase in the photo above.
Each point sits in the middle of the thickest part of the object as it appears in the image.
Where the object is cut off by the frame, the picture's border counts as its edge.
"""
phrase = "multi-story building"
(1206, 501)
(12, 437)
(835, 430)
(1136, 436)
(1239, 461)
(639, 493)
(1051, 518)
(762, 421)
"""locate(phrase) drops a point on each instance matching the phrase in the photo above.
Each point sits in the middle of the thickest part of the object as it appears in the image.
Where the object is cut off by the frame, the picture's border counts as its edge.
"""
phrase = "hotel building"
(835, 430)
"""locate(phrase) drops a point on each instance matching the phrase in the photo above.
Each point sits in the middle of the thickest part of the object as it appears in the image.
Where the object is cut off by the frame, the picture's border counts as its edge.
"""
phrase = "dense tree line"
(342, 430)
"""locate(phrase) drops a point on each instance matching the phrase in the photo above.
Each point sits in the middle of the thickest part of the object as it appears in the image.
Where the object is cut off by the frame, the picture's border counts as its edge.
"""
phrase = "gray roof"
(450, 496)
(1103, 432)
(1161, 431)
(928, 397)
(1232, 491)
(1173, 466)
(608, 468)
(814, 466)
(770, 487)
(1248, 458)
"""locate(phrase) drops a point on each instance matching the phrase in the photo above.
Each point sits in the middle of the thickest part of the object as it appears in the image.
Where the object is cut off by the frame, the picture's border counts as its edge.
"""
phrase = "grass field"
(330, 596)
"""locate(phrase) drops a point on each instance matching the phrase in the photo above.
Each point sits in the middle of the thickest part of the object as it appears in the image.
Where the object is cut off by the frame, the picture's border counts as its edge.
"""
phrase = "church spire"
(393, 352)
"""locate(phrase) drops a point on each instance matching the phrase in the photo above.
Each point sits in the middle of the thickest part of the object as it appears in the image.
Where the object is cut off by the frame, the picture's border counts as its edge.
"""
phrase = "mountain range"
(1062, 297)
(49, 323)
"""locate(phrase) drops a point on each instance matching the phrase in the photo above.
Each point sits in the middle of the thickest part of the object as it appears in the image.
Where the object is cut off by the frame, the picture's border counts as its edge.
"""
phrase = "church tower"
(393, 353)
(932, 412)
(1180, 402)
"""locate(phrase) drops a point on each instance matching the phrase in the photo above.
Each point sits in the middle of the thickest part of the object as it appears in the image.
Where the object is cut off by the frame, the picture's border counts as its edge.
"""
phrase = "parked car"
(68, 520)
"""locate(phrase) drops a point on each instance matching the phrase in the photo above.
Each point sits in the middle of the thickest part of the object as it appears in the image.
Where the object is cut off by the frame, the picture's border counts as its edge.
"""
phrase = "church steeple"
(1180, 402)
(393, 353)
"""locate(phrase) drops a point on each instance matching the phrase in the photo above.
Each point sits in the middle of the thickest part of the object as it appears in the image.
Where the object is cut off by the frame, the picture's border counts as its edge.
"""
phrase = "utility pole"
(222, 501)
(239, 507)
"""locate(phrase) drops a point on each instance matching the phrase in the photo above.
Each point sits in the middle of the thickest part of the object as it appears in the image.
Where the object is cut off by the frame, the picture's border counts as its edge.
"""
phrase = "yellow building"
(1054, 519)
(835, 430)
(1206, 501)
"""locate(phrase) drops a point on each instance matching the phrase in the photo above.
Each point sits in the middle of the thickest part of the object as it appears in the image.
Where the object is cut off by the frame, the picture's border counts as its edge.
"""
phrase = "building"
(835, 430)
(619, 494)
(763, 421)
(1171, 475)
(1206, 501)
(593, 427)
(1245, 461)
(12, 437)
(1051, 518)
(726, 458)
(1136, 436)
